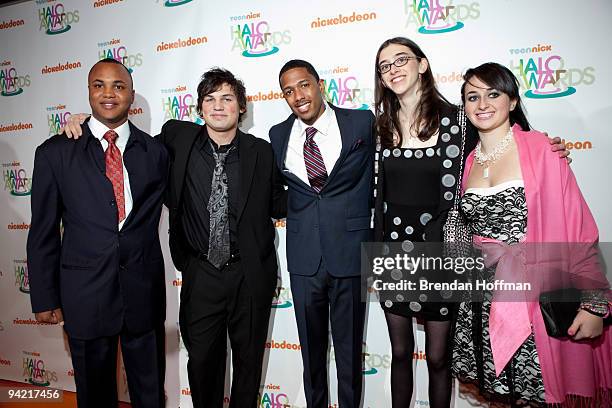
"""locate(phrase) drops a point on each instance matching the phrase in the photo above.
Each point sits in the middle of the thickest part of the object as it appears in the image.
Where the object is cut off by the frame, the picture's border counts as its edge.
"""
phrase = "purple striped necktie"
(315, 167)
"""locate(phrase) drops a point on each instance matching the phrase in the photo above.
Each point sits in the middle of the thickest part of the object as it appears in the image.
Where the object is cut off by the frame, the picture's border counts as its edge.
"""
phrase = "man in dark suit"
(326, 155)
(104, 278)
(224, 189)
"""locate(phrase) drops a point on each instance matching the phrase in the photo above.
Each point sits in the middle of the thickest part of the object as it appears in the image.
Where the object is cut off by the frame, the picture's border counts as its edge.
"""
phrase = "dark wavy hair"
(214, 79)
(387, 106)
(498, 77)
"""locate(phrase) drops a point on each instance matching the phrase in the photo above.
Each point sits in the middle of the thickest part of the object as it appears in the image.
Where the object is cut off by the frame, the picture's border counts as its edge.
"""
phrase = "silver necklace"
(488, 159)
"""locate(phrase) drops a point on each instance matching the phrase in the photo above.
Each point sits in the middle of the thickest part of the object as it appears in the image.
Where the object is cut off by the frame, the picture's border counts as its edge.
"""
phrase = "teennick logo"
(282, 297)
(256, 39)
(342, 88)
(22, 280)
(11, 83)
(16, 180)
(545, 74)
(179, 103)
(114, 49)
(54, 18)
(34, 370)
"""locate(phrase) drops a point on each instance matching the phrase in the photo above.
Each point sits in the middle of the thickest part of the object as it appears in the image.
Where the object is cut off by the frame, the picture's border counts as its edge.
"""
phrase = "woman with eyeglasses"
(518, 195)
(417, 170)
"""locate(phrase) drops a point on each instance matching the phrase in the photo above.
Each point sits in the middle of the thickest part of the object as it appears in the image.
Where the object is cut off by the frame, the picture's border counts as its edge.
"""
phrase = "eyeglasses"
(400, 62)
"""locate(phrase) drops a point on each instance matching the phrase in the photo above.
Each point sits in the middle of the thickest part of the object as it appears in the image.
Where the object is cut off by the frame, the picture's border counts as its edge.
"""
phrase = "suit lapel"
(181, 157)
(285, 131)
(248, 159)
(133, 156)
(346, 133)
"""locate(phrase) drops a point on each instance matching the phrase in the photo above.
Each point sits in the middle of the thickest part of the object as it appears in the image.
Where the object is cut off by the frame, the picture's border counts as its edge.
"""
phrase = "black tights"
(438, 361)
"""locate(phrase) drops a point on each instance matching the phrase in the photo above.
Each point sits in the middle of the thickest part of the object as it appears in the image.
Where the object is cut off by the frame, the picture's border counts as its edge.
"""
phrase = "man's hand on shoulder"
(73, 126)
(54, 316)
(559, 146)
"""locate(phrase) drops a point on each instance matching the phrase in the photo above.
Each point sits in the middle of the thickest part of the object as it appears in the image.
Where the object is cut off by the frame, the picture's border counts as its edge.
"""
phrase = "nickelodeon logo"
(262, 96)
(177, 282)
(6, 363)
(280, 223)
(60, 67)
(448, 78)
(353, 18)
(284, 345)
(11, 24)
(419, 355)
(181, 43)
(102, 3)
(21, 226)
(569, 145)
(14, 127)
(30, 322)
(135, 111)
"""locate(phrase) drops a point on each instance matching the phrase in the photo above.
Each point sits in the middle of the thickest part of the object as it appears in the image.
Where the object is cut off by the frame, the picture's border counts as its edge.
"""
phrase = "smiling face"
(487, 108)
(402, 80)
(220, 110)
(110, 93)
(303, 94)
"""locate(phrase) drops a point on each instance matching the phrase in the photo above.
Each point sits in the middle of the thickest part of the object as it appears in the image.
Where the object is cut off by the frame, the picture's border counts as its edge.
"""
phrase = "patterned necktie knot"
(218, 209)
(315, 166)
(310, 132)
(114, 171)
(111, 136)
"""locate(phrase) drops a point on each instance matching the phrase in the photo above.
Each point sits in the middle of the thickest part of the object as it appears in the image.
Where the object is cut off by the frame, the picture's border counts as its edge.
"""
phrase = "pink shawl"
(558, 213)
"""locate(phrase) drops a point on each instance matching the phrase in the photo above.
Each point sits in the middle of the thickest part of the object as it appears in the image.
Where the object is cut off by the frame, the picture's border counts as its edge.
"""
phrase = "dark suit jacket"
(101, 277)
(262, 196)
(333, 223)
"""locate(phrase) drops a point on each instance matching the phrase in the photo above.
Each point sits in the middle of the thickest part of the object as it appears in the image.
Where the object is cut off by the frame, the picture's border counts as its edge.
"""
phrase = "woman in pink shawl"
(518, 195)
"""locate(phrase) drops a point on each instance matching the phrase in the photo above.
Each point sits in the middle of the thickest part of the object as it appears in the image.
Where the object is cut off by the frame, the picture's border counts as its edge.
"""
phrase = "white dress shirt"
(98, 129)
(327, 138)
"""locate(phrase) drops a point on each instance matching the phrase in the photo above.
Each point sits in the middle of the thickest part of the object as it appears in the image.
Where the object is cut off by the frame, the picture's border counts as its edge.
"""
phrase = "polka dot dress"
(412, 197)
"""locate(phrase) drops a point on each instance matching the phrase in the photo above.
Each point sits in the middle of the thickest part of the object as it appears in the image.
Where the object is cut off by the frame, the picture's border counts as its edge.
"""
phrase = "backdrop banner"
(555, 48)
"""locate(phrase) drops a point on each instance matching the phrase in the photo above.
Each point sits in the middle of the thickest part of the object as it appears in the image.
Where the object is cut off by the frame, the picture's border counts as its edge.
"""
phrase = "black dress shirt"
(198, 180)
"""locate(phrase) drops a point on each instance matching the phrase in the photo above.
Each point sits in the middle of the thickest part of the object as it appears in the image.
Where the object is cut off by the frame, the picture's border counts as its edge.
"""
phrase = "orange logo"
(61, 67)
(352, 18)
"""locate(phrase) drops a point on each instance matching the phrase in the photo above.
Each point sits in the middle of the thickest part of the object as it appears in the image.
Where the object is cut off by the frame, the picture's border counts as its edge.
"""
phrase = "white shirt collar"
(98, 129)
(322, 124)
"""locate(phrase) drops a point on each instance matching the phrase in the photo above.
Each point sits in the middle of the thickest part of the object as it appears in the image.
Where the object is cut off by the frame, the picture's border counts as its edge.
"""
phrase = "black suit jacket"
(262, 197)
(101, 277)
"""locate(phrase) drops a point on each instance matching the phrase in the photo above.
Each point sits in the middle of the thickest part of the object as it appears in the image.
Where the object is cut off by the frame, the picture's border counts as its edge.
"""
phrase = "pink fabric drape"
(558, 213)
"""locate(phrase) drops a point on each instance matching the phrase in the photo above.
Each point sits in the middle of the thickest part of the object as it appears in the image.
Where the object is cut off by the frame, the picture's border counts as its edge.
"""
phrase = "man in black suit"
(104, 278)
(224, 189)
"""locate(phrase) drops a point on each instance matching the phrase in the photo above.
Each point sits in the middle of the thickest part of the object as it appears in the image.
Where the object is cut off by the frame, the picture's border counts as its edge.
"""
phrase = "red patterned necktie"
(315, 167)
(114, 171)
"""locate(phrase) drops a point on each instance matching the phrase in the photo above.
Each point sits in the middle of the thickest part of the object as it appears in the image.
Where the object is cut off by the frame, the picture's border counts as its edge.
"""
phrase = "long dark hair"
(500, 78)
(387, 106)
